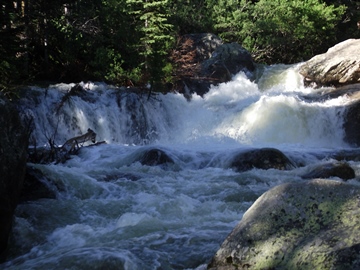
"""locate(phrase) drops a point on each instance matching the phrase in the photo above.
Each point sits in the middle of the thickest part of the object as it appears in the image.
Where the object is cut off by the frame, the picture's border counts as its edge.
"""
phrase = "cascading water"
(112, 212)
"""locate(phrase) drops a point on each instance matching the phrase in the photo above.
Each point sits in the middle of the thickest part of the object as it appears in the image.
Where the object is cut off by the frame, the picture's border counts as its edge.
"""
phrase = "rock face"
(338, 66)
(204, 60)
(13, 151)
(264, 158)
(306, 225)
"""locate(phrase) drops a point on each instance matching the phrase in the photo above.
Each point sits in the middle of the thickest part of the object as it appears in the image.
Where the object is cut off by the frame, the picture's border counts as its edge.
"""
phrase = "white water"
(111, 212)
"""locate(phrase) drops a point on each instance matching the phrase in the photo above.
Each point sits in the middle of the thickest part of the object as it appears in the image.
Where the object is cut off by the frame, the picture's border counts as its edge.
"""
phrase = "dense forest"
(133, 41)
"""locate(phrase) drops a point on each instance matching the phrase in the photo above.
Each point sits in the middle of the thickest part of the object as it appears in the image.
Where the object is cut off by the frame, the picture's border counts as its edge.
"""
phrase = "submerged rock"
(307, 225)
(338, 66)
(339, 169)
(264, 158)
(154, 157)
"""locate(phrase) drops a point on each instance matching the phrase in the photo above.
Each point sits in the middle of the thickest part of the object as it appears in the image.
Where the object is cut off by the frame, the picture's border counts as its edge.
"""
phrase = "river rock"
(339, 169)
(338, 66)
(13, 152)
(306, 225)
(154, 157)
(264, 158)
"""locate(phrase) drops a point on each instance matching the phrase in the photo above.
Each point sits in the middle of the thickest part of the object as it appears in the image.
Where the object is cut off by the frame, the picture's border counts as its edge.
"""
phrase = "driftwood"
(59, 154)
(72, 145)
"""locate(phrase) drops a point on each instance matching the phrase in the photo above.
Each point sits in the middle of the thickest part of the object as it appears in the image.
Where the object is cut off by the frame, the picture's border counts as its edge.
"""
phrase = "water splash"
(113, 212)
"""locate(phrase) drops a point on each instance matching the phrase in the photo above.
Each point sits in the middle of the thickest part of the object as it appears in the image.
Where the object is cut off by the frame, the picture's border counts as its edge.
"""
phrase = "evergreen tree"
(11, 46)
(156, 37)
(191, 16)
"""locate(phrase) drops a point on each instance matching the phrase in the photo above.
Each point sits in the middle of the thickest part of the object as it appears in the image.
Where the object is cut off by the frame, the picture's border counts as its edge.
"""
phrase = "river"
(112, 212)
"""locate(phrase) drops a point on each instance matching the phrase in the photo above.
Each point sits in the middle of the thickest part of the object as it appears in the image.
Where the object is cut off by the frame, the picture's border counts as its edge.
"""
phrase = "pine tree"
(156, 36)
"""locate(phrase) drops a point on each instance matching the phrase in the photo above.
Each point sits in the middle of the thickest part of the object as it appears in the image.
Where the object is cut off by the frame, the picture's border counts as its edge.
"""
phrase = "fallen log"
(59, 154)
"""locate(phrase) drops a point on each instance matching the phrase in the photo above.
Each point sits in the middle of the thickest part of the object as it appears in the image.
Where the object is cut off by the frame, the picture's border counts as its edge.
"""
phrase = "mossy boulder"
(304, 225)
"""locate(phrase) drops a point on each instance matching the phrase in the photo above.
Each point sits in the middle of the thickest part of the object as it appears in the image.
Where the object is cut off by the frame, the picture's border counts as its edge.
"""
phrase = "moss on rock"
(307, 225)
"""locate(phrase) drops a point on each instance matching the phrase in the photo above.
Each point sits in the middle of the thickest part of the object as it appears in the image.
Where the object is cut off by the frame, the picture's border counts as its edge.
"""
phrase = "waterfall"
(271, 111)
(111, 210)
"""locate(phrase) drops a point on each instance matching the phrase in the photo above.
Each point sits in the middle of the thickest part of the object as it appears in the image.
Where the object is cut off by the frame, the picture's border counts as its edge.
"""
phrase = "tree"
(11, 51)
(280, 30)
(191, 16)
(156, 37)
(230, 17)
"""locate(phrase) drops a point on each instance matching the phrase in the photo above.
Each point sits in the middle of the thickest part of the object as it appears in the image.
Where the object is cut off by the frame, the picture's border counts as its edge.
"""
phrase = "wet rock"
(203, 60)
(352, 124)
(36, 186)
(339, 169)
(264, 158)
(154, 157)
(226, 61)
(307, 225)
(14, 138)
(338, 66)
(202, 44)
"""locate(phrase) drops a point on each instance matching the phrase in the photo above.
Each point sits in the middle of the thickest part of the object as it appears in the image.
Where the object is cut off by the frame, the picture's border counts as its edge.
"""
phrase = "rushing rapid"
(112, 212)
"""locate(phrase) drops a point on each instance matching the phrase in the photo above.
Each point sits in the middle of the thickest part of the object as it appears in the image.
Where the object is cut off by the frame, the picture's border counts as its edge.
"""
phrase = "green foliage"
(124, 41)
(280, 30)
(156, 37)
(11, 51)
(191, 16)
(230, 17)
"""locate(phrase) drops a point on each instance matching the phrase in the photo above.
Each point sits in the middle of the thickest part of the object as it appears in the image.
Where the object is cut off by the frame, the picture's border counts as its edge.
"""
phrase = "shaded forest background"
(133, 42)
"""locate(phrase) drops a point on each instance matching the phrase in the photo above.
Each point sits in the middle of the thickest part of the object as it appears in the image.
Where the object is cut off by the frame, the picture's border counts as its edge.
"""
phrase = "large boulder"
(338, 66)
(226, 61)
(13, 153)
(201, 46)
(304, 225)
(203, 60)
(263, 158)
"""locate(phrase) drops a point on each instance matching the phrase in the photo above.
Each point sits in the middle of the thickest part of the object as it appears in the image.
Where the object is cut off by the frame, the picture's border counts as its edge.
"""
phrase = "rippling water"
(111, 212)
